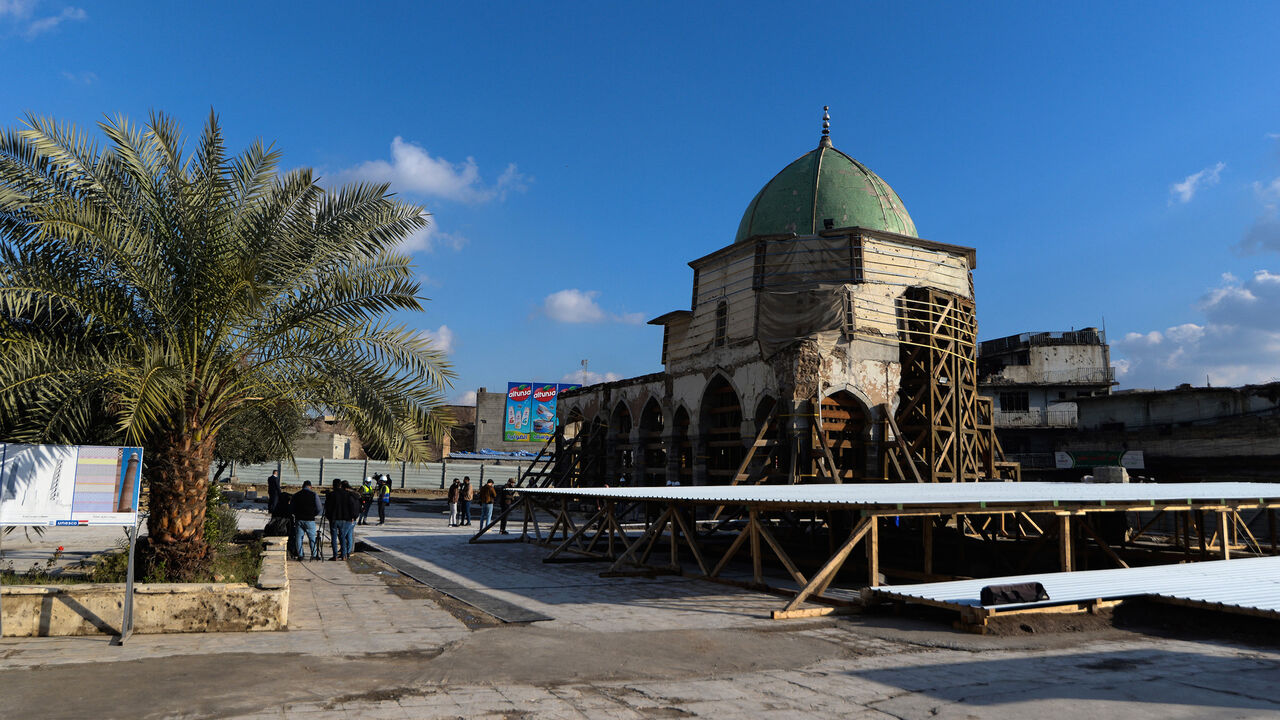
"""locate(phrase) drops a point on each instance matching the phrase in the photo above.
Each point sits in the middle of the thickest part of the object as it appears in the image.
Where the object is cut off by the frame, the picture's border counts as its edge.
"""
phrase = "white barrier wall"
(403, 475)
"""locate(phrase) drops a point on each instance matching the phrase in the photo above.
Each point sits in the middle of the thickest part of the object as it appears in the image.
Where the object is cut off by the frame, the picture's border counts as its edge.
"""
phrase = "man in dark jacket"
(506, 494)
(273, 492)
(488, 493)
(306, 506)
(341, 507)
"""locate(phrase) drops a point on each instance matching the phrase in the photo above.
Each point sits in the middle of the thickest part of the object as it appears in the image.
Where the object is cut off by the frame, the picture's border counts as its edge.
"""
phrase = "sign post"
(126, 621)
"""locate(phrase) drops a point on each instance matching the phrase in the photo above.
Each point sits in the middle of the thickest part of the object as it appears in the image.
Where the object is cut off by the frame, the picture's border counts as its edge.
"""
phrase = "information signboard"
(69, 484)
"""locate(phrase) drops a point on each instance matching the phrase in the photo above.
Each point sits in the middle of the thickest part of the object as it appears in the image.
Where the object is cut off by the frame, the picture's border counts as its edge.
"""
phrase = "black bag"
(1013, 593)
(277, 527)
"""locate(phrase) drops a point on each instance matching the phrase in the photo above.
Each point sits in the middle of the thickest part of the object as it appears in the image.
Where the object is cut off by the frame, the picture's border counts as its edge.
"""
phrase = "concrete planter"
(97, 608)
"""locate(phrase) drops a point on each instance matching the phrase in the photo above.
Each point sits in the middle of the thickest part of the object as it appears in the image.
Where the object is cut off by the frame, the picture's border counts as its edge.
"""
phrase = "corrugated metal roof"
(931, 495)
(1252, 583)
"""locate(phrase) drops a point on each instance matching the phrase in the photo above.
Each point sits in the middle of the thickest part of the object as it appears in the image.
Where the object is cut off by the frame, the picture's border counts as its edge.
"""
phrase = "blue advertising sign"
(519, 422)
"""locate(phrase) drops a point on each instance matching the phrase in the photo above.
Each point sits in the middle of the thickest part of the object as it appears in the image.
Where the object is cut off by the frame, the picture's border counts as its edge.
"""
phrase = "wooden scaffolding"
(942, 430)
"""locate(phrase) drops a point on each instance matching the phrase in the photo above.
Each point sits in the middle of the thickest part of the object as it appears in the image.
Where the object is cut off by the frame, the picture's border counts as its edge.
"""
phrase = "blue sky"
(1117, 163)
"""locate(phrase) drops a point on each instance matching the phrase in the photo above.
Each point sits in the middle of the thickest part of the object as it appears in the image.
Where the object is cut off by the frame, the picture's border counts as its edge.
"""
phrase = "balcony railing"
(1036, 417)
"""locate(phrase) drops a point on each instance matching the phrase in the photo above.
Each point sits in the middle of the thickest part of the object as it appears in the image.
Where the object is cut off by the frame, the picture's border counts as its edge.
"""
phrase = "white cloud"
(466, 398)
(17, 9)
(46, 24)
(1185, 190)
(591, 378)
(442, 338)
(578, 306)
(429, 238)
(414, 170)
(1264, 234)
(573, 306)
(84, 78)
(1238, 341)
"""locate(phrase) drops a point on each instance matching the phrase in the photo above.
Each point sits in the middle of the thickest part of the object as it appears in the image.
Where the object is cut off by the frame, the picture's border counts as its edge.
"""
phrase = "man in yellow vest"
(366, 500)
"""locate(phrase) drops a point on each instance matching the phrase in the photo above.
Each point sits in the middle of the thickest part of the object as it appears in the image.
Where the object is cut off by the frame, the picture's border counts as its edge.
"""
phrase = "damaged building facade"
(827, 343)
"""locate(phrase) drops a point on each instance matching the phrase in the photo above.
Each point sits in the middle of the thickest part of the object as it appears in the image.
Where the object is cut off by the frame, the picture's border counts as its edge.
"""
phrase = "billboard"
(519, 422)
(544, 412)
(69, 484)
(531, 411)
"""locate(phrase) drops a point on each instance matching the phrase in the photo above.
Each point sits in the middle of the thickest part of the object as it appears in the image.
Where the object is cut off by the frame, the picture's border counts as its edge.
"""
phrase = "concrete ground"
(366, 642)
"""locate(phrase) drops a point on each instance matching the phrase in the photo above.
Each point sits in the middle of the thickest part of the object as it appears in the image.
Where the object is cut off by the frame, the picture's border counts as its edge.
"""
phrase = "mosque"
(827, 343)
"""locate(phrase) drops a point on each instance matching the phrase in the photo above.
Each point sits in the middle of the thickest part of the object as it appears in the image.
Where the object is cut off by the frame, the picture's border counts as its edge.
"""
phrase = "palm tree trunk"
(178, 473)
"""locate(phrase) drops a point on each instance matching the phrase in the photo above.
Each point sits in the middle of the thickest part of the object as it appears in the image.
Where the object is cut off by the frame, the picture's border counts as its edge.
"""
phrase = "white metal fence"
(403, 475)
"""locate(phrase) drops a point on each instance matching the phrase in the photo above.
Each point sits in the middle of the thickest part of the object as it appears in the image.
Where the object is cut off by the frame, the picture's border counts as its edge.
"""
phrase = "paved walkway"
(365, 645)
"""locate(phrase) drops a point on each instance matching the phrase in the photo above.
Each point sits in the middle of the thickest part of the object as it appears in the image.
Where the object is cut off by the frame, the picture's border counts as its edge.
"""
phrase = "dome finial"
(826, 126)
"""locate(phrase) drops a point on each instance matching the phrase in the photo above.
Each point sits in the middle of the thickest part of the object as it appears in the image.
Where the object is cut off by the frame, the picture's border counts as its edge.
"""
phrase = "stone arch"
(846, 431)
(772, 462)
(720, 424)
(682, 445)
(621, 452)
(652, 445)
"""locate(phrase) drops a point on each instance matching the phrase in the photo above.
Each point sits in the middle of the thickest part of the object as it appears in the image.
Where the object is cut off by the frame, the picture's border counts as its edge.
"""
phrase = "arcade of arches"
(726, 445)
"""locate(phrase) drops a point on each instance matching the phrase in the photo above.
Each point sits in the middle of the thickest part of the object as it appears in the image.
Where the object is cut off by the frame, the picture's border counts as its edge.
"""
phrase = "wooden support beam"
(873, 553)
(757, 569)
(1142, 530)
(1240, 524)
(1271, 528)
(654, 529)
(1199, 519)
(827, 572)
(658, 528)
(1064, 543)
(814, 612)
(902, 444)
(691, 539)
(1224, 529)
(1091, 532)
(733, 548)
(928, 545)
(576, 534)
(796, 575)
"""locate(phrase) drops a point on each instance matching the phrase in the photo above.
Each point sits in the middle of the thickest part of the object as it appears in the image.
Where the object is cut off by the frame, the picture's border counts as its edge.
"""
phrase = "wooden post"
(757, 569)
(928, 545)
(873, 553)
(1204, 551)
(1185, 519)
(828, 571)
(1224, 531)
(1271, 528)
(1064, 543)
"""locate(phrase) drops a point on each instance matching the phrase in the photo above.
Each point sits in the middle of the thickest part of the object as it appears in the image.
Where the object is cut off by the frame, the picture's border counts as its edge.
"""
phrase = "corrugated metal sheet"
(893, 494)
(1251, 583)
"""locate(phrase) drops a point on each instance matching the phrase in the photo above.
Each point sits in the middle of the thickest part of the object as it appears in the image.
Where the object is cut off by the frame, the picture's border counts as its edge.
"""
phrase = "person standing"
(273, 492)
(384, 498)
(340, 511)
(506, 494)
(306, 506)
(455, 491)
(465, 494)
(366, 500)
(488, 494)
(349, 529)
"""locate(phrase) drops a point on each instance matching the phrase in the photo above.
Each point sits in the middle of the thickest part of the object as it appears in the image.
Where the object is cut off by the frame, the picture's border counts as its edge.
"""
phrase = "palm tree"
(172, 293)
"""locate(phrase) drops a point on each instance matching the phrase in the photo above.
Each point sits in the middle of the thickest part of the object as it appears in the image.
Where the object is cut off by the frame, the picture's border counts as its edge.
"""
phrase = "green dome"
(824, 184)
